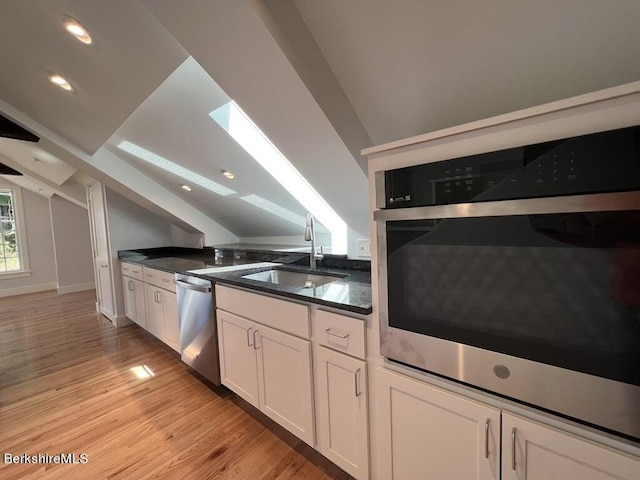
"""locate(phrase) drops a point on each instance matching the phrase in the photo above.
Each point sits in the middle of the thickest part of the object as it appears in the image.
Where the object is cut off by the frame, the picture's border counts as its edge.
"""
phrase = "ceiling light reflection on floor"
(169, 166)
(142, 372)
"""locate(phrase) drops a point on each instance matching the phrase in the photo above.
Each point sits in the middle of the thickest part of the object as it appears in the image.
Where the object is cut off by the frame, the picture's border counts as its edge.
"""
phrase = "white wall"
(37, 217)
(132, 226)
(182, 238)
(72, 246)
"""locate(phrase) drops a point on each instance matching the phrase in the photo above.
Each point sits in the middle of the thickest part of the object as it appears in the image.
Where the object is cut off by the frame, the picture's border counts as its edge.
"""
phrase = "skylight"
(274, 209)
(250, 137)
(169, 166)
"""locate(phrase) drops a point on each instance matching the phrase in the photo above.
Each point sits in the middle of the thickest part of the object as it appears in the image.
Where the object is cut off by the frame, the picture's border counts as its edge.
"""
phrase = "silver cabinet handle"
(249, 336)
(486, 437)
(334, 334)
(130, 285)
(255, 341)
(357, 380)
(513, 448)
(165, 280)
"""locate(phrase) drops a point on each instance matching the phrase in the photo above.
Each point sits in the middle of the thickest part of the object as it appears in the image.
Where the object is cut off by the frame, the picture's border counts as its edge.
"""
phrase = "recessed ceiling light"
(61, 82)
(228, 174)
(76, 29)
(186, 187)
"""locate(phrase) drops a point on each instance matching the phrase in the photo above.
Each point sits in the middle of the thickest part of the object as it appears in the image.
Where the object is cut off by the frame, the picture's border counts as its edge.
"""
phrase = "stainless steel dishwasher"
(198, 335)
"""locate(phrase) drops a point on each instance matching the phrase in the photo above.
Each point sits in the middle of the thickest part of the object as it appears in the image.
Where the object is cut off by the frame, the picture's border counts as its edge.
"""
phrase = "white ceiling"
(321, 79)
(131, 55)
(415, 66)
(174, 122)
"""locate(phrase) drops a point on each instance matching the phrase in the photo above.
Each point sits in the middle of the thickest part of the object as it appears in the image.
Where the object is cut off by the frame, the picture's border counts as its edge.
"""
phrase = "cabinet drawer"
(131, 270)
(159, 278)
(339, 332)
(280, 314)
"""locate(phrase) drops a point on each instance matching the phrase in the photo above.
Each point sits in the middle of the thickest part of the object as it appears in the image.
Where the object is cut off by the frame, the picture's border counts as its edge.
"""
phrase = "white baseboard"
(79, 287)
(122, 321)
(110, 315)
(43, 287)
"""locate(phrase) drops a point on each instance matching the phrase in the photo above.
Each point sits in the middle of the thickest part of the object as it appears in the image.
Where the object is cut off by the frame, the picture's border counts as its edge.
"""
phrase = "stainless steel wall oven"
(518, 272)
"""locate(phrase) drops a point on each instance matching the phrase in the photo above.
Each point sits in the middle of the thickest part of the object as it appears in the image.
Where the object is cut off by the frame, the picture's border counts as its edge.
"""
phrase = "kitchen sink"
(292, 279)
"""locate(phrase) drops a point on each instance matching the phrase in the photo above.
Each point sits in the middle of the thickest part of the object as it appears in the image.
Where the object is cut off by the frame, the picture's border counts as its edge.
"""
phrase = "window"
(12, 253)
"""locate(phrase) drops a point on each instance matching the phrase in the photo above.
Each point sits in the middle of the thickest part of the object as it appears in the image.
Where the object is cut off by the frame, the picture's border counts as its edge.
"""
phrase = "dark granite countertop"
(352, 292)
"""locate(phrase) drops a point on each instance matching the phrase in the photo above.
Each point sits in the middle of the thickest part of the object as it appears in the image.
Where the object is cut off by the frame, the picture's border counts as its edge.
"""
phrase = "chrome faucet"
(310, 236)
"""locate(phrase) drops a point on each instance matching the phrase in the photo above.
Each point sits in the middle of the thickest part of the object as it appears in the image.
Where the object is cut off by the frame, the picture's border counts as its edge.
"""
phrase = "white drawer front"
(159, 278)
(340, 332)
(280, 314)
(131, 270)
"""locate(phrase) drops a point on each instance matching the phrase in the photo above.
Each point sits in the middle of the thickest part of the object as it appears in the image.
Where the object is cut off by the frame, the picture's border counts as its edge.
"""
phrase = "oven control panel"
(596, 163)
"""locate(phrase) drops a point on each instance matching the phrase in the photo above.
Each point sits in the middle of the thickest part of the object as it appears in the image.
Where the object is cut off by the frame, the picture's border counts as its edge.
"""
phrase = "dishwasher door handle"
(190, 286)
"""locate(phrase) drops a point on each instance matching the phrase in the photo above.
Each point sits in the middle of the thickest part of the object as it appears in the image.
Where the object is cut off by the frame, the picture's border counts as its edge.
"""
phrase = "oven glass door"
(560, 289)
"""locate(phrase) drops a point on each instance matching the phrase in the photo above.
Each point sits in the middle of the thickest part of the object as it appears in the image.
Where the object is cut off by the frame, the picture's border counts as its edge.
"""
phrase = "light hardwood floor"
(66, 386)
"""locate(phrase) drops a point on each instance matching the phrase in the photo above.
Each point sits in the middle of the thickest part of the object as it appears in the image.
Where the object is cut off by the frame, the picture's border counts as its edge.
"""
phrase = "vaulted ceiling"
(321, 79)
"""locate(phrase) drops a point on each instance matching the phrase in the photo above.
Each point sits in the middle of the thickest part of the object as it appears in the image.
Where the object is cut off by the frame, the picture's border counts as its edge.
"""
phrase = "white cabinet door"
(129, 298)
(285, 379)
(170, 319)
(343, 434)
(427, 432)
(532, 451)
(155, 322)
(238, 365)
(141, 306)
(134, 301)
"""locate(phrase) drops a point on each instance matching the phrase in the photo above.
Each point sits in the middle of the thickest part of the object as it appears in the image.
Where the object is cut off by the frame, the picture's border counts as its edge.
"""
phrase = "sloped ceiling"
(410, 67)
(131, 55)
(174, 122)
(322, 79)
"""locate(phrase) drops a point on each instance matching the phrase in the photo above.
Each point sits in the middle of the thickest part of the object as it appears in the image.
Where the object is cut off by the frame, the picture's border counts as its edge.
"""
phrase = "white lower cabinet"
(267, 358)
(170, 319)
(135, 307)
(162, 315)
(342, 411)
(269, 369)
(427, 432)
(533, 451)
(151, 302)
(134, 298)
